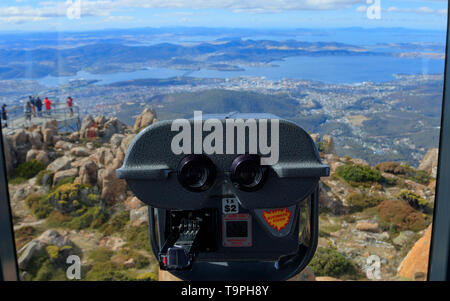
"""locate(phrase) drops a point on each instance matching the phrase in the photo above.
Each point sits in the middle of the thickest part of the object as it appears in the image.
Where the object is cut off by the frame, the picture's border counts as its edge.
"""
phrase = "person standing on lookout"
(32, 101)
(48, 105)
(39, 106)
(70, 105)
(28, 111)
(4, 115)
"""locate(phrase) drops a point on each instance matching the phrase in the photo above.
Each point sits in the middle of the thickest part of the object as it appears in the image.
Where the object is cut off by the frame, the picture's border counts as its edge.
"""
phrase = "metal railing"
(59, 112)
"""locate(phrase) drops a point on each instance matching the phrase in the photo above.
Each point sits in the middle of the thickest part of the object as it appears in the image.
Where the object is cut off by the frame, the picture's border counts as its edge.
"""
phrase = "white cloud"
(418, 10)
(106, 8)
(52, 9)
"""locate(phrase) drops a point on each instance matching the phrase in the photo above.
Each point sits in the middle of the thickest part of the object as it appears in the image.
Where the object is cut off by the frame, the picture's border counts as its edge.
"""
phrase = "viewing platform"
(59, 112)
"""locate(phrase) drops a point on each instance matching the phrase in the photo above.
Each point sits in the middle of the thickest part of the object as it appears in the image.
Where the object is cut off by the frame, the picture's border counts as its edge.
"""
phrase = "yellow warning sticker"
(277, 218)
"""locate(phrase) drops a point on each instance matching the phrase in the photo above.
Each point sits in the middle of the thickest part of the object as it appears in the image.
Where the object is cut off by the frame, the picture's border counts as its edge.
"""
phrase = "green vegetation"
(68, 180)
(29, 169)
(149, 276)
(109, 271)
(48, 265)
(126, 253)
(359, 201)
(328, 224)
(413, 200)
(405, 171)
(401, 216)
(116, 223)
(138, 237)
(100, 255)
(52, 251)
(16, 180)
(356, 173)
(105, 269)
(44, 178)
(39, 205)
(326, 148)
(24, 235)
(65, 206)
(93, 217)
(329, 262)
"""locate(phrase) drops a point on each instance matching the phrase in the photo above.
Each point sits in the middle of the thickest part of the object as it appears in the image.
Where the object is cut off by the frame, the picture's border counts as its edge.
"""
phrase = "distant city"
(380, 101)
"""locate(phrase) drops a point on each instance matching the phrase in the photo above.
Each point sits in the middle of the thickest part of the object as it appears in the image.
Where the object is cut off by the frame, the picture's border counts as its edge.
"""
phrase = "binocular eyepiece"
(226, 193)
(197, 173)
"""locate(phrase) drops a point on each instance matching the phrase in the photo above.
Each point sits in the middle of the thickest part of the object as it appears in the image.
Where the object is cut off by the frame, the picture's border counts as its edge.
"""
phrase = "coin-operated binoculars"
(230, 197)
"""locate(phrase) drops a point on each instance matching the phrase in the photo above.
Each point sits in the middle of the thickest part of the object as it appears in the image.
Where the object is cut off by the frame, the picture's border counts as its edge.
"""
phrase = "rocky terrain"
(66, 200)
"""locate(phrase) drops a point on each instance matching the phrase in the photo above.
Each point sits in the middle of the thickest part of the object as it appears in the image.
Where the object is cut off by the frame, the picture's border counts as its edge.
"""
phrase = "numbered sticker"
(230, 206)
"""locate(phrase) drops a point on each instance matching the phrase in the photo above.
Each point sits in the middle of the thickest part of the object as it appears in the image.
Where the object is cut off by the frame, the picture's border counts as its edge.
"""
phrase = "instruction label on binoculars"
(278, 218)
(230, 206)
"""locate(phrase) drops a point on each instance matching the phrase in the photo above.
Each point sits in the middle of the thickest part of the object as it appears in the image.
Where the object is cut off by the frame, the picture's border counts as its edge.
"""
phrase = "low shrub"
(401, 215)
(116, 223)
(29, 169)
(44, 178)
(39, 205)
(357, 173)
(329, 262)
(109, 271)
(100, 255)
(68, 180)
(93, 217)
(52, 251)
(138, 237)
(406, 171)
(149, 276)
(360, 201)
(16, 180)
(413, 200)
(24, 235)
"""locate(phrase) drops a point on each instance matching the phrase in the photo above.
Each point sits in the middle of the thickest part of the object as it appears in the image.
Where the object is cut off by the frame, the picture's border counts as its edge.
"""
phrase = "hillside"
(66, 199)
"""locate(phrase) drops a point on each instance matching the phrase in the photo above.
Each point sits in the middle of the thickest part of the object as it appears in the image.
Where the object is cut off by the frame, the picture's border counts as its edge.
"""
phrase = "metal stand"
(283, 269)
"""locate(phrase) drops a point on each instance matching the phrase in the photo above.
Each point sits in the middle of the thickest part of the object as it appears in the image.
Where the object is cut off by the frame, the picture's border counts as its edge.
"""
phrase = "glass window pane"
(79, 79)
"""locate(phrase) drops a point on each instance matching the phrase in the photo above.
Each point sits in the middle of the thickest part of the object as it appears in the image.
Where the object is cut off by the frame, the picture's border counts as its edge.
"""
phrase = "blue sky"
(45, 15)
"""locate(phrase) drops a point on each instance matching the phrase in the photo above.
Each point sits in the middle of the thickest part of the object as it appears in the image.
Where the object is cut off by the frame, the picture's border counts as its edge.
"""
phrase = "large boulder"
(139, 216)
(87, 172)
(40, 155)
(19, 138)
(79, 151)
(10, 155)
(61, 175)
(59, 164)
(63, 145)
(104, 155)
(367, 227)
(49, 131)
(113, 189)
(87, 122)
(37, 246)
(111, 127)
(403, 238)
(74, 137)
(21, 144)
(51, 124)
(126, 142)
(146, 118)
(415, 265)
(36, 139)
(116, 140)
(48, 136)
(430, 161)
(133, 203)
